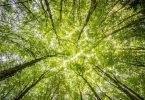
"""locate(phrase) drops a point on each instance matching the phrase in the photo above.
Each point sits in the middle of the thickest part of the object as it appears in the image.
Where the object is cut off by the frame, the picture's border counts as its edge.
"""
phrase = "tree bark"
(21, 95)
(92, 89)
(12, 71)
(51, 18)
(60, 11)
(130, 93)
(91, 10)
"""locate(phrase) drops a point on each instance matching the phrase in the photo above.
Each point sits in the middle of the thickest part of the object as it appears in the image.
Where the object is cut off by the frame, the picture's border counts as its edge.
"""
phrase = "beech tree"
(72, 49)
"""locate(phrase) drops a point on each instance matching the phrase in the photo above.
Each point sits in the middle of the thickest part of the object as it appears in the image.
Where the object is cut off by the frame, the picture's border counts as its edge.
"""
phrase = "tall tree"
(12, 71)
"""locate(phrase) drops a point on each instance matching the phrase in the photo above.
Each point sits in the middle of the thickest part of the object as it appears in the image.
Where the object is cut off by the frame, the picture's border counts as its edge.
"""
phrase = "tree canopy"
(72, 49)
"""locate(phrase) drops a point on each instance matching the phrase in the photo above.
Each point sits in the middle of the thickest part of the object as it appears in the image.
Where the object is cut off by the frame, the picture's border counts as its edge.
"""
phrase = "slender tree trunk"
(3, 97)
(81, 95)
(130, 93)
(91, 10)
(133, 92)
(92, 89)
(122, 28)
(51, 18)
(107, 16)
(55, 91)
(12, 71)
(104, 92)
(60, 11)
(125, 19)
(21, 95)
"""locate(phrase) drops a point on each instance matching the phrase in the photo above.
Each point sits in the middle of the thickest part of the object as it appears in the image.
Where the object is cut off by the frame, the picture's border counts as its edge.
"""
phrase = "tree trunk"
(92, 89)
(130, 93)
(21, 95)
(12, 71)
(51, 18)
(91, 10)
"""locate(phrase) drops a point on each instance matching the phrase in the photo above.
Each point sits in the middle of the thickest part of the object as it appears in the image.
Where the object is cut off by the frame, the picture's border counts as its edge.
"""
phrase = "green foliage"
(98, 49)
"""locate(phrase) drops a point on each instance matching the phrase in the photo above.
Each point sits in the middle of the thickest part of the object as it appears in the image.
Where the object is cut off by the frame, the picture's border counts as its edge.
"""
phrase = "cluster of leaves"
(72, 49)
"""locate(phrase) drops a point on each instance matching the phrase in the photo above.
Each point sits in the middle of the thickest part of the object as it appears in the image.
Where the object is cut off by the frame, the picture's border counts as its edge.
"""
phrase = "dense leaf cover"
(72, 49)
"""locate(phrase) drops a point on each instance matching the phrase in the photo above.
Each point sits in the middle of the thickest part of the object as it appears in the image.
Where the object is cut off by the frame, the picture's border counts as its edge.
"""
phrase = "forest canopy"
(72, 49)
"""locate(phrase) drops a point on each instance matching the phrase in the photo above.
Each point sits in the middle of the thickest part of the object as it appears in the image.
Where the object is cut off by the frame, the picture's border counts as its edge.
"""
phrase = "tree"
(99, 46)
(11, 71)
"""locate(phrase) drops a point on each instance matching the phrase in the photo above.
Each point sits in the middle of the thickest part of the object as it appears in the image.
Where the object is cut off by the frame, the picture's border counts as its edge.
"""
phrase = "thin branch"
(51, 18)
(90, 12)
(30, 11)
